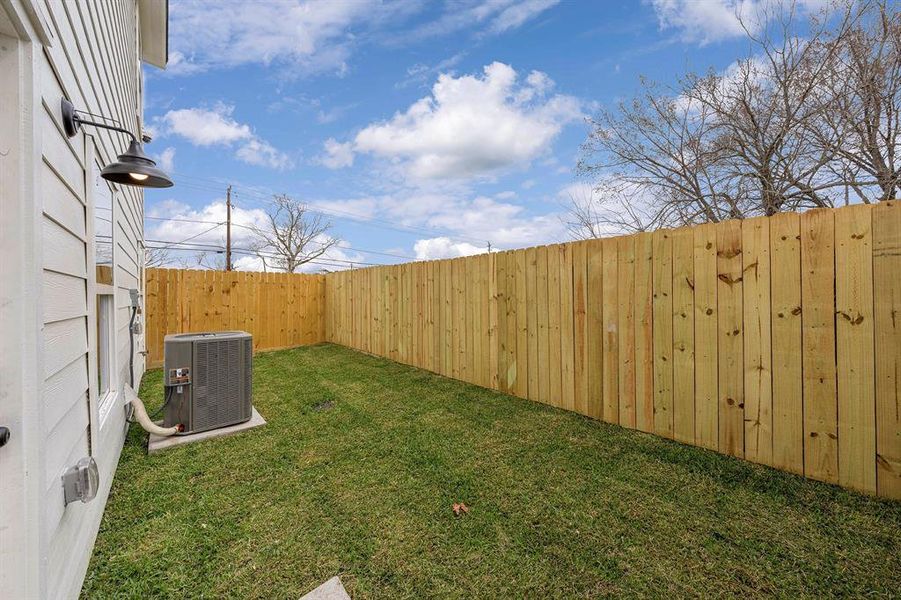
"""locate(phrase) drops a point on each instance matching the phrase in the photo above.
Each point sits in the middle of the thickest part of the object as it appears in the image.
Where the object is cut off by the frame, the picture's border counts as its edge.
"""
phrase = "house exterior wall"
(89, 53)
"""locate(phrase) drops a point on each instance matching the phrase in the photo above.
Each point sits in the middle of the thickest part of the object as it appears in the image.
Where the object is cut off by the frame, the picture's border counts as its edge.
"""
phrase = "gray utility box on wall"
(208, 379)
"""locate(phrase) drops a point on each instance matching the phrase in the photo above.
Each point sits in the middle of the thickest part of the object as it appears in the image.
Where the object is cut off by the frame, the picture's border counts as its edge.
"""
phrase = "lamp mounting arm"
(72, 122)
(133, 167)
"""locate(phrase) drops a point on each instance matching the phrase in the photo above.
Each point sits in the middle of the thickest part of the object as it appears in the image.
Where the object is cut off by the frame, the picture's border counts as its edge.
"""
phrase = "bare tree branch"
(155, 257)
(799, 122)
(292, 236)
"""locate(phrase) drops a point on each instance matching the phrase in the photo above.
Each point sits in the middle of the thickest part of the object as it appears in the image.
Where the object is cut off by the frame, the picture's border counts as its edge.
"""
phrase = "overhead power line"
(218, 248)
(354, 249)
(316, 261)
(188, 239)
(207, 184)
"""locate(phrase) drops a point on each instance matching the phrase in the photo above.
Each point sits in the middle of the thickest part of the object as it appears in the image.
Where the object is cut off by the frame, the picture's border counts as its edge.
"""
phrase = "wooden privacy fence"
(776, 339)
(280, 310)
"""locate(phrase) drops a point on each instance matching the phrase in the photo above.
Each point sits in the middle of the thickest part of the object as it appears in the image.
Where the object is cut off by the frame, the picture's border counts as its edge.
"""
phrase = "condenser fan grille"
(221, 384)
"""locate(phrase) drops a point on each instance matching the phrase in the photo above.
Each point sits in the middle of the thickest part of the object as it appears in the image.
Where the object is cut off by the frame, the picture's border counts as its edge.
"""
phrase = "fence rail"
(777, 339)
(280, 310)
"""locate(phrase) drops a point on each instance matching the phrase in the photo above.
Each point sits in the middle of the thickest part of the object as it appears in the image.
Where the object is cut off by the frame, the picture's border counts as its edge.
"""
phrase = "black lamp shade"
(135, 168)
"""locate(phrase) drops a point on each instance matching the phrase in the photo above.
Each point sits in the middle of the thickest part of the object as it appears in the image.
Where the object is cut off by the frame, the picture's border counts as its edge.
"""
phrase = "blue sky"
(422, 129)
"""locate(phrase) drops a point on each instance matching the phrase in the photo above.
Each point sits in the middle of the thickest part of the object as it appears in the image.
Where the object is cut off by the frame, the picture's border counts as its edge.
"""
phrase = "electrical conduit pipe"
(143, 418)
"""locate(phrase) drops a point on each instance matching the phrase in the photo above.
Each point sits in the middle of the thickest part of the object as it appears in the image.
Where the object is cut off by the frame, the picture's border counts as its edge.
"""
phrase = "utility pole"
(228, 229)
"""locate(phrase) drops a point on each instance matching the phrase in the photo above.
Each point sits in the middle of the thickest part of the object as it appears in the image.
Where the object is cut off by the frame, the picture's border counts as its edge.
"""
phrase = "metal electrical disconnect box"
(208, 379)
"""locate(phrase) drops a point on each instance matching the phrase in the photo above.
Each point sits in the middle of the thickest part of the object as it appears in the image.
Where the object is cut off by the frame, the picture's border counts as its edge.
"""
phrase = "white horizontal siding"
(92, 62)
(76, 525)
(61, 204)
(66, 253)
(65, 296)
(73, 376)
(59, 153)
(64, 341)
(61, 442)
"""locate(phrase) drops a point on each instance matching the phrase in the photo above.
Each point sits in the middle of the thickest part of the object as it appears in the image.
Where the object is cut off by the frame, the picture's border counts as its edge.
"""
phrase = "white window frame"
(105, 298)
(100, 407)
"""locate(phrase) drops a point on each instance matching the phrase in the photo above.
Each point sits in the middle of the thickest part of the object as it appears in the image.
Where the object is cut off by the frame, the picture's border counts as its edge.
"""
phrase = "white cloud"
(197, 226)
(197, 229)
(303, 37)
(337, 155)
(166, 160)
(308, 37)
(206, 127)
(335, 258)
(420, 74)
(206, 232)
(258, 152)
(707, 21)
(463, 224)
(460, 217)
(472, 126)
(504, 224)
(483, 16)
(216, 127)
(443, 247)
(516, 14)
(365, 208)
(704, 21)
(614, 207)
(179, 64)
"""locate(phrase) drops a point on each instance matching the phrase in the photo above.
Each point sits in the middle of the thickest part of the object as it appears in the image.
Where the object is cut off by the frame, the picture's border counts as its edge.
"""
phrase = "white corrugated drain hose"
(144, 420)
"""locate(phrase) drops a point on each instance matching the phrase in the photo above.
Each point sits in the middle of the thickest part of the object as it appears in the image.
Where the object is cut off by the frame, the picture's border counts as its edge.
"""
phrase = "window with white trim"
(105, 294)
(105, 348)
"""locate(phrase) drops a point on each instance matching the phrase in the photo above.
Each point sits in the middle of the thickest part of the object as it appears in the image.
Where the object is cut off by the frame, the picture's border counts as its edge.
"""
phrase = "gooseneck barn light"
(133, 167)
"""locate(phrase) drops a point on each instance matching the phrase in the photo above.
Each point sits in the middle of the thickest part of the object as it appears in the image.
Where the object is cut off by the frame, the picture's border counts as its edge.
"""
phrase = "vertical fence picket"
(663, 333)
(887, 307)
(532, 322)
(544, 380)
(503, 357)
(758, 383)
(567, 353)
(729, 339)
(683, 336)
(521, 387)
(625, 299)
(580, 326)
(818, 337)
(644, 332)
(854, 348)
(785, 326)
(706, 392)
(493, 320)
(555, 357)
(595, 327)
(610, 348)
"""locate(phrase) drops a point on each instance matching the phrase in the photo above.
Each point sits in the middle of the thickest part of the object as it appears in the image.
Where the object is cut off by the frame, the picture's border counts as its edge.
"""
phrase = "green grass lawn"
(560, 505)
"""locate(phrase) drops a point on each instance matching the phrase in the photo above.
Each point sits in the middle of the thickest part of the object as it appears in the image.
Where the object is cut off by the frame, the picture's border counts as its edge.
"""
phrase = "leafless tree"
(661, 146)
(794, 124)
(860, 93)
(156, 257)
(293, 235)
(765, 103)
(613, 206)
(212, 260)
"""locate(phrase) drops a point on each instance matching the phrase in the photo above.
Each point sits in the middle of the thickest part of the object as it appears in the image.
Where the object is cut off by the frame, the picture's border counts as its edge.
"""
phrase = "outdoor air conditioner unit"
(208, 379)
